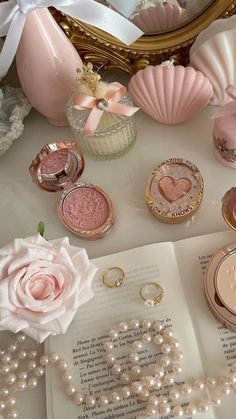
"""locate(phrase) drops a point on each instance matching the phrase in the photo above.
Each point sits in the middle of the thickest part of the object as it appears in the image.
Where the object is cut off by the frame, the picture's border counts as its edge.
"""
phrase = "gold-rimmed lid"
(229, 208)
(57, 165)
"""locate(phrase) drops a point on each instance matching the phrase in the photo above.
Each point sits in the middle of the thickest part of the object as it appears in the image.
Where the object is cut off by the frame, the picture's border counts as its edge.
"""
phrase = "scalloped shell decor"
(13, 109)
(214, 53)
(159, 18)
(170, 94)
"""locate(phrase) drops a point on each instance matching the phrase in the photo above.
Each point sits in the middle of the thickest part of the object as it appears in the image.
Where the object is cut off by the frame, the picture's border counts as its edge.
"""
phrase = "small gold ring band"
(117, 282)
(150, 302)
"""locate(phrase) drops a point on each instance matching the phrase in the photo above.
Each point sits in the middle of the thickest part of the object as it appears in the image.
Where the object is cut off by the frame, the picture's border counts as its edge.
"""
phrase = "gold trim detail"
(104, 50)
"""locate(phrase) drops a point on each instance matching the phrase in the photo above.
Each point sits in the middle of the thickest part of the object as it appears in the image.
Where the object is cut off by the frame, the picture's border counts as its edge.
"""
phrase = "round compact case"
(85, 209)
(220, 278)
(174, 190)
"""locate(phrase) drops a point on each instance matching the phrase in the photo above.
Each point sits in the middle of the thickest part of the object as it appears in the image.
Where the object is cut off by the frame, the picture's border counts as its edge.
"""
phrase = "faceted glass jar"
(113, 137)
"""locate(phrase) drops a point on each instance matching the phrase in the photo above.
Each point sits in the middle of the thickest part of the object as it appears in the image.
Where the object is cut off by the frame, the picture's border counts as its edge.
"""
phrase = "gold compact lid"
(174, 190)
(57, 165)
(229, 208)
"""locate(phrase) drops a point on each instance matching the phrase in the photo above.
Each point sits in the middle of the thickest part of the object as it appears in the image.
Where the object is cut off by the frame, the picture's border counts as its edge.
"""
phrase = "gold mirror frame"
(106, 51)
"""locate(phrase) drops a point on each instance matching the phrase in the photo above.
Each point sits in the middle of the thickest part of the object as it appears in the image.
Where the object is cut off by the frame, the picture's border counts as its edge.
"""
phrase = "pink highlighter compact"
(85, 209)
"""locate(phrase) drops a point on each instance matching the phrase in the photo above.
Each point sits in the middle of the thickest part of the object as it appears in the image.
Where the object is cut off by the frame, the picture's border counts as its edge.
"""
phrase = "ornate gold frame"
(106, 51)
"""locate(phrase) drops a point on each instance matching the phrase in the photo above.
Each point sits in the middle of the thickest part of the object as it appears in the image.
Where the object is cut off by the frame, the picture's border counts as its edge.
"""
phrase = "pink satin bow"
(230, 107)
(108, 103)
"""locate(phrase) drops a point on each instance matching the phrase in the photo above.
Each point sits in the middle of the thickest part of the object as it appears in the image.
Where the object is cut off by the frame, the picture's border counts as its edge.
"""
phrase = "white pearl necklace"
(146, 387)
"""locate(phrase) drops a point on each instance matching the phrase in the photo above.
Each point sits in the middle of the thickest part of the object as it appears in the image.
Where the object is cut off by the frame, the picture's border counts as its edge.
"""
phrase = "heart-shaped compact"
(174, 190)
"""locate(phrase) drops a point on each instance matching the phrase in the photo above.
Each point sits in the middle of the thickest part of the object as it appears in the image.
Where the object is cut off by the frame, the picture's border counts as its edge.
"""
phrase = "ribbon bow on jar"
(109, 103)
(230, 107)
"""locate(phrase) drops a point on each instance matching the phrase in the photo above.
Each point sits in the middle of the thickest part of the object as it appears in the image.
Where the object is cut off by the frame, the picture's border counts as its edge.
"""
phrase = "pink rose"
(42, 284)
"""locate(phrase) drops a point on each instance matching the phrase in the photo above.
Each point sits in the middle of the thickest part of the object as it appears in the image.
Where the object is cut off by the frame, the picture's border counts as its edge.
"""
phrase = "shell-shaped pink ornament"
(170, 94)
(159, 18)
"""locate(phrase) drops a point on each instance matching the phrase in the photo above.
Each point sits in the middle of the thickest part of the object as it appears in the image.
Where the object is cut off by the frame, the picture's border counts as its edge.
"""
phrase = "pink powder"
(55, 162)
(85, 208)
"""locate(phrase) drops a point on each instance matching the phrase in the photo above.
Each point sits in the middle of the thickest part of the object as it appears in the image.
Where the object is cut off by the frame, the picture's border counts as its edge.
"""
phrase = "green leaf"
(41, 228)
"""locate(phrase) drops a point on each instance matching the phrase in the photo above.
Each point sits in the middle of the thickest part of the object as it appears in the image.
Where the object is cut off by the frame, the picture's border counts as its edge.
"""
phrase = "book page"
(83, 343)
(217, 345)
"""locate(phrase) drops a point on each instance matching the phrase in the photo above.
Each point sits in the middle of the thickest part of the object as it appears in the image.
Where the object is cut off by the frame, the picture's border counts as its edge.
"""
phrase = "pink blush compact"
(85, 209)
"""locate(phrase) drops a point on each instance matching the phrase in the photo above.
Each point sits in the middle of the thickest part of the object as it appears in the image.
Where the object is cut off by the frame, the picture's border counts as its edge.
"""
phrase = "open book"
(209, 349)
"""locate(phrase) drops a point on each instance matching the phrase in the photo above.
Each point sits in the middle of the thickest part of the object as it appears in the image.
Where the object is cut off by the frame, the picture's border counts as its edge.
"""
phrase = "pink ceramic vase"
(46, 64)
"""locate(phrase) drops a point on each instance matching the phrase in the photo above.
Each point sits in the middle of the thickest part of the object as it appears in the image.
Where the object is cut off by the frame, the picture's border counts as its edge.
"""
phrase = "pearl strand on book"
(133, 383)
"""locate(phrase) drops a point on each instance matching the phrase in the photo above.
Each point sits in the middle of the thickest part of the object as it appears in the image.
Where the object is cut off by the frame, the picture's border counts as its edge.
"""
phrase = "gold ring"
(113, 277)
(145, 295)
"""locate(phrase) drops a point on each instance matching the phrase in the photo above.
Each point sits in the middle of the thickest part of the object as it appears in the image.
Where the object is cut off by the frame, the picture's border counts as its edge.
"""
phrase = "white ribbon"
(13, 15)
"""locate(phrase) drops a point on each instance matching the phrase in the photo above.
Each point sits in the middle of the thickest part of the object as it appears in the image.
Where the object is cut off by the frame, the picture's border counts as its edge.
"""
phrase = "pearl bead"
(165, 361)
(39, 371)
(31, 365)
(21, 385)
(225, 390)
(70, 390)
(123, 327)
(151, 410)
(5, 369)
(12, 348)
(158, 384)
(78, 398)
(136, 370)
(159, 372)
(134, 358)
(110, 359)
(148, 381)
(176, 369)
(136, 387)
(12, 414)
(178, 411)
(169, 379)
(146, 324)
(186, 389)
(137, 345)
(21, 338)
(143, 395)
(232, 379)
(14, 365)
(22, 375)
(5, 391)
(211, 381)
(165, 348)
(199, 385)
(215, 400)
(168, 332)
(10, 379)
(203, 406)
(153, 401)
(103, 401)
(190, 410)
(90, 401)
(126, 392)
(135, 324)
(32, 354)
(158, 327)
(116, 369)
(125, 379)
(32, 382)
(115, 397)
(113, 334)
(6, 358)
(2, 405)
(53, 357)
(162, 399)
(147, 338)
(62, 365)
(108, 346)
(164, 409)
(67, 377)
(158, 340)
(174, 394)
(22, 355)
(224, 381)
(174, 343)
(11, 402)
(177, 355)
